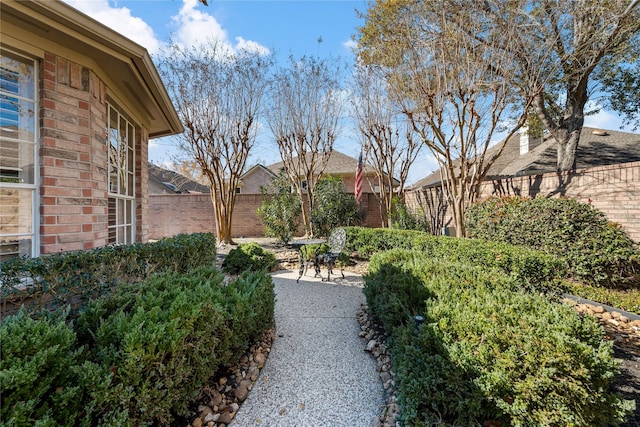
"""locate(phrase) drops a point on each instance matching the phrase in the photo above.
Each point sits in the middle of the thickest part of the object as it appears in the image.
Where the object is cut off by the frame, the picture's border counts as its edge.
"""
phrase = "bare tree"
(389, 143)
(452, 89)
(304, 117)
(218, 96)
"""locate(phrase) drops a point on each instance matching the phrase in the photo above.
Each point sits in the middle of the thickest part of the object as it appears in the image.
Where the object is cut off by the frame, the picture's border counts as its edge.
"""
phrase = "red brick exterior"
(172, 214)
(615, 190)
(73, 160)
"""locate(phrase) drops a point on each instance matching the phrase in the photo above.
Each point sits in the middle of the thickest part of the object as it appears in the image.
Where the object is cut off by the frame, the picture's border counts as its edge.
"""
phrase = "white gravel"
(317, 373)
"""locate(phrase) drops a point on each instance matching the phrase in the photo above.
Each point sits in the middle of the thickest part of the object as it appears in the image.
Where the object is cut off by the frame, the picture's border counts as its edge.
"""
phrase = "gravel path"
(317, 373)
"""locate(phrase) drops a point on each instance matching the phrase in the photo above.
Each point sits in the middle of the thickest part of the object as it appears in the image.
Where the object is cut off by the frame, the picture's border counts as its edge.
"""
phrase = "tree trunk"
(458, 217)
(305, 213)
(567, 147)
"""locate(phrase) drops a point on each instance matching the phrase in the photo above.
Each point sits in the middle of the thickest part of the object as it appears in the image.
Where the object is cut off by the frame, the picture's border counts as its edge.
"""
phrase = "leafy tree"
(304, 117)
(591, 53)
(333, 207)
(280, 210)
(218, 96)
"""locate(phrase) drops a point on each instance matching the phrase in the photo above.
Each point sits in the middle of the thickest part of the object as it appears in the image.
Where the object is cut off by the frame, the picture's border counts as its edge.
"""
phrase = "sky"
(319, 28)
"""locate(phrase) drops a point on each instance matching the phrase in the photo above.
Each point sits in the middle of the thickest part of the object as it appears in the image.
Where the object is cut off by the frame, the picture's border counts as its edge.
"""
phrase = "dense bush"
(532, 270)
(39, 371)
(248, 257)
(136, 357)
(596, 251)
(280, 210)
(403, 219)
(79, 276)
(333, 207)
(487, 351)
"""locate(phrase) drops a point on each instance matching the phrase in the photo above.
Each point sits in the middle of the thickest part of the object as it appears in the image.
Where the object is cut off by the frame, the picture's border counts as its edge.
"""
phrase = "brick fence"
(615, 190)
(172, 214)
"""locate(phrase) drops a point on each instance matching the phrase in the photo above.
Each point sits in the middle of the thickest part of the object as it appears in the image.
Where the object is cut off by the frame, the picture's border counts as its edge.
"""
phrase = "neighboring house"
(607, 175)
(165, 181)
(525, 156)
(79, 103)
(339, 165)
(256, 177)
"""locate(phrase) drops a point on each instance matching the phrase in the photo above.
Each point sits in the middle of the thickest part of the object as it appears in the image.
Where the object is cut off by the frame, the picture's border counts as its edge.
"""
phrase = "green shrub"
(138, 356)
(488, 351)
(333, 207)
(76, 277)
(281, 210)
(596, 251)
(403, 219)
(178, 332)
(532, 270)
(248, 257)
(37, 378)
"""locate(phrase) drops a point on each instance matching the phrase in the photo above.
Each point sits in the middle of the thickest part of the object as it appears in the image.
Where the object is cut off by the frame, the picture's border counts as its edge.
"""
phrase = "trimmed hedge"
(248, 257)
(596, 251)
(136, 357)
(488, 352)
(74, 277)
(532, 270)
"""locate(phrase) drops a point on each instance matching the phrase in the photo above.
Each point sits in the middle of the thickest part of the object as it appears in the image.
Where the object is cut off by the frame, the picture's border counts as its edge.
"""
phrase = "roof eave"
(84, 32)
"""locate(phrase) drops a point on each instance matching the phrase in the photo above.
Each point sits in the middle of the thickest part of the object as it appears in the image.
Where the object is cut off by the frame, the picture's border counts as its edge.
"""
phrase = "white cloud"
(251, 46)
(351, 45)
(191, 26)
(195, 27)
(119, 19)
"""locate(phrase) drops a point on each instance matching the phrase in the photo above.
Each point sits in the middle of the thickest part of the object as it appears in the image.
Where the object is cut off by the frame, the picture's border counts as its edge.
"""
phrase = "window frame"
(121, 191)
(34, 186)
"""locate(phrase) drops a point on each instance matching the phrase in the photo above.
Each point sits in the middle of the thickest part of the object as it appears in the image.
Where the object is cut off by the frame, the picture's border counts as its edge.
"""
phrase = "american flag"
(358, 186)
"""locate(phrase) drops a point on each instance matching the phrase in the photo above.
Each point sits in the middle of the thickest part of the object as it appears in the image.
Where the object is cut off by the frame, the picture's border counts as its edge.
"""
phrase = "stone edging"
(225, 395)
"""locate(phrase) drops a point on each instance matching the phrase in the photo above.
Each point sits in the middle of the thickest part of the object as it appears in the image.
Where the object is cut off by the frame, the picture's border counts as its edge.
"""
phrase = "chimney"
(524, 140)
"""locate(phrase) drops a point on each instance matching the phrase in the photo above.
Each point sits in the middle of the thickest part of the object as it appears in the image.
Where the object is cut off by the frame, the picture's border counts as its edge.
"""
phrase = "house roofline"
(66, 25)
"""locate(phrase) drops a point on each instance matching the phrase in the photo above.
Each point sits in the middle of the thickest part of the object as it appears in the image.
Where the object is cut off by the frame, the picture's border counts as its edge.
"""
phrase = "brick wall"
(73, 211)
(615, 190)
(73, 160)
(246, 222)
(171, 214)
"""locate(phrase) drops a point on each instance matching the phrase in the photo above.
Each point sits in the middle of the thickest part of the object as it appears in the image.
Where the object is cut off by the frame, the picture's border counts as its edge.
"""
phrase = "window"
(121, 137)
(18, 143)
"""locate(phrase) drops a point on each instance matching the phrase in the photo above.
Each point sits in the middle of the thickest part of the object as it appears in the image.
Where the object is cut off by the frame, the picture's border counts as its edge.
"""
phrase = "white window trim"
(35, 187)
(114, 195)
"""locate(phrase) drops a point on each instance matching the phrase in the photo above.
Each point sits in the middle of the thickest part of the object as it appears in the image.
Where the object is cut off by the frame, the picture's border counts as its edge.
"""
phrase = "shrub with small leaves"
(596, 251)
(533, 270)
(37, 378)
(488, 352)
(249, 257)
(281, 209)
(76, 277)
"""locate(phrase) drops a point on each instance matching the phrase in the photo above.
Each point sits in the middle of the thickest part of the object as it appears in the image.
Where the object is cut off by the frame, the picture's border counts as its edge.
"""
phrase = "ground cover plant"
(137, 356)
(596, 251)
(489, 352)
